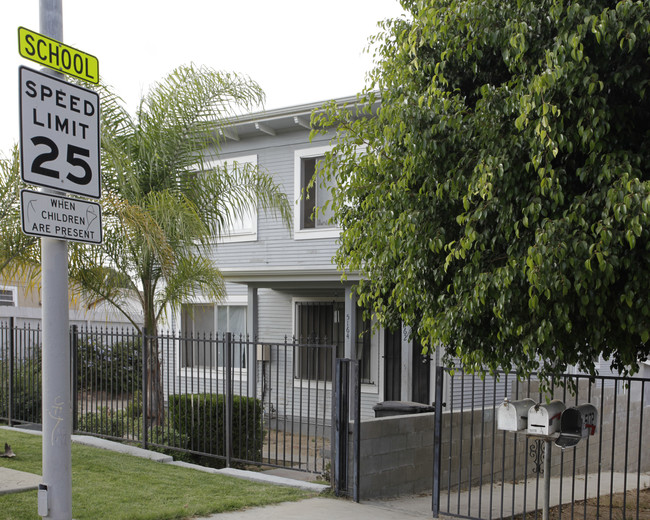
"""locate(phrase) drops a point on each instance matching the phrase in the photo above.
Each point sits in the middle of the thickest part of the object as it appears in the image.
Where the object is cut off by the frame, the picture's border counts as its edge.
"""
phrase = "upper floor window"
(8, 297)
(312, 218)
(242, 227)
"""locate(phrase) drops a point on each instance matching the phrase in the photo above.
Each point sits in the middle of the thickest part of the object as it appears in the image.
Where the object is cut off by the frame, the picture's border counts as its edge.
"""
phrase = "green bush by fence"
(201, 418)
(26, 388)
(105, 421)
(113, 367)
(122, 426)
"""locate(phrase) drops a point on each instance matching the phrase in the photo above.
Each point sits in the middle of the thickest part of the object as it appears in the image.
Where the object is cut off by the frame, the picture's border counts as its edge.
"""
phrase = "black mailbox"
(577, 423)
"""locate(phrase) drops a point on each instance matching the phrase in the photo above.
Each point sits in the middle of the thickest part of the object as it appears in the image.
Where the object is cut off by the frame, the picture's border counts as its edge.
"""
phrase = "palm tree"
(19, 253)
(162, 206)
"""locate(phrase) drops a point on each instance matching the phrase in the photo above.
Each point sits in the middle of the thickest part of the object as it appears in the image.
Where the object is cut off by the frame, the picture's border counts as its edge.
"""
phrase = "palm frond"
(19, 253)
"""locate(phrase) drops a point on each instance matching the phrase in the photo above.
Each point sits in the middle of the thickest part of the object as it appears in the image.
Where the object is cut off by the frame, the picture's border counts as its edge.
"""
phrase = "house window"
(318, 324)
(204, 328)
(243, 226)
(8, 297)
(313, 215)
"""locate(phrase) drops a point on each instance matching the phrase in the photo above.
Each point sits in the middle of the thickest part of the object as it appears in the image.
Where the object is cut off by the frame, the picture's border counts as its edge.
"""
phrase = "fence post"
(145, 400)
(437, 442)
(228, 410)
(356, 457)
(74, 352)
(342, 423)
(10, 404)
(336, 441)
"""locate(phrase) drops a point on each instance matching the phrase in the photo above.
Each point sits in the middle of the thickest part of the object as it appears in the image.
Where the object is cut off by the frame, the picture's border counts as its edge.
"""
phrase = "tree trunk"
(154, 388)
(153, 369)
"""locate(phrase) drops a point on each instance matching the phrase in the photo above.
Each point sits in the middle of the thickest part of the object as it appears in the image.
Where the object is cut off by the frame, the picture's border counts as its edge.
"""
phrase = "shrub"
(27, 391)
(113, 423)
(201, 418)
(134, 408)
(113, 367)
(106, 422)
(168, 439)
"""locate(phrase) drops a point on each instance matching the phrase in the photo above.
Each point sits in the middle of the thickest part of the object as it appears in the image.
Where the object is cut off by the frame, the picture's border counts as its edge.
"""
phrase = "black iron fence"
(483, 472)
(217, 400)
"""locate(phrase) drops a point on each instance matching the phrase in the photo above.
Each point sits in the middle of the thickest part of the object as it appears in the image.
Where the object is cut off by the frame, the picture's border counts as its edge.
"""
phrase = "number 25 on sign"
(59, 134)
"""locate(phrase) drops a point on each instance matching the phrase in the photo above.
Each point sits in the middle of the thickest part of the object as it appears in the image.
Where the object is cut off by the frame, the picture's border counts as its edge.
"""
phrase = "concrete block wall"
(396, 455)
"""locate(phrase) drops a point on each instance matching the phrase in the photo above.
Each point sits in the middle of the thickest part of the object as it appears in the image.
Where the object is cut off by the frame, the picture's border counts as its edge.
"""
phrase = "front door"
(392, 365)
(421, 375)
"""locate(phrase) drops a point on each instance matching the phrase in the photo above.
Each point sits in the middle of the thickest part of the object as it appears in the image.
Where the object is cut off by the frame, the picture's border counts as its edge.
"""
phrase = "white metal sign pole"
(55, 494)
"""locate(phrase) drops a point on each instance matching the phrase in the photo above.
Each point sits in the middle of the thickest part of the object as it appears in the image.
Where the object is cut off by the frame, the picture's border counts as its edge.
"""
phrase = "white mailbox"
(544, 419)
(512, 416)
(577, 423)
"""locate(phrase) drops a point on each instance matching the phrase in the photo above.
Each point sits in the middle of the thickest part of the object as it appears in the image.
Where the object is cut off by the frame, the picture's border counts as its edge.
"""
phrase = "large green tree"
(164, 207)
(499, 200)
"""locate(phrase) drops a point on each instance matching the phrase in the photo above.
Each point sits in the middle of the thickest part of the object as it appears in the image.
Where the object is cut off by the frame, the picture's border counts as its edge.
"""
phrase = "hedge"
(27, 394)
(201, 418)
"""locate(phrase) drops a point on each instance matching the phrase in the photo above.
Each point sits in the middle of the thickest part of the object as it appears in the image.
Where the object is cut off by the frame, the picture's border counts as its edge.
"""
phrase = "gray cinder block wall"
(396, 455)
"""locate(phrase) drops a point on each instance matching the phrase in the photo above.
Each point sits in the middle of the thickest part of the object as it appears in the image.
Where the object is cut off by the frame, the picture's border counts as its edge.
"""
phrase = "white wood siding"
(275, 246)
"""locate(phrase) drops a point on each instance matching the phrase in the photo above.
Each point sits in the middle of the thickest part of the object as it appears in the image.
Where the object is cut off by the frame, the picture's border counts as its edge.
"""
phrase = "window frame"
(14, 295)
(299, 232)
(243, 234)
(240, 373)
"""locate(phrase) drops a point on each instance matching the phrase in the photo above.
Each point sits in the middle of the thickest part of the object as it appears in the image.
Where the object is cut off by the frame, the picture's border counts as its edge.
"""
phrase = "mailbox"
(577, 423)
(512, 416)
(544, 419)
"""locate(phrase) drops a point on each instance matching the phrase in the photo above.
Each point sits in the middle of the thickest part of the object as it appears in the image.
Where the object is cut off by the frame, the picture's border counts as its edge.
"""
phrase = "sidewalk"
(334, 508)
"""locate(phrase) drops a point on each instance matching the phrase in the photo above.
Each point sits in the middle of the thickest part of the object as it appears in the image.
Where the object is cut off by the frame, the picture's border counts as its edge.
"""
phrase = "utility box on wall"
(263, 352)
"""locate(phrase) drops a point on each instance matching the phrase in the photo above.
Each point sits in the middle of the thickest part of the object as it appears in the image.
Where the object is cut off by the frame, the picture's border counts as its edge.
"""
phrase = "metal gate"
(483, 473)
(347, 407)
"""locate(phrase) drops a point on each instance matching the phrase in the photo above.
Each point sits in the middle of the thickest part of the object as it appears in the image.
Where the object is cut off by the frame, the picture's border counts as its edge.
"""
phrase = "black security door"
(392, 365)
(421, 375)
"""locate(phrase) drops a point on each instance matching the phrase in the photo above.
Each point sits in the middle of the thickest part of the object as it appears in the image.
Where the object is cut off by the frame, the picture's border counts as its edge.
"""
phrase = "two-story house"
(281, 281)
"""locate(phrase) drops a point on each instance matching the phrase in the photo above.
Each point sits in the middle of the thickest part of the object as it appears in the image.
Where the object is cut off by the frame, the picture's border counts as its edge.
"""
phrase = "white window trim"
(239, 374)
(14, 294)
(245, 235)
(307, 234)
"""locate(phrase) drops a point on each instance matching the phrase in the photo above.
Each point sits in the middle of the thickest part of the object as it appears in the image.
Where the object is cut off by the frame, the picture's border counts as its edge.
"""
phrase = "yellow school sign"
(57, 56)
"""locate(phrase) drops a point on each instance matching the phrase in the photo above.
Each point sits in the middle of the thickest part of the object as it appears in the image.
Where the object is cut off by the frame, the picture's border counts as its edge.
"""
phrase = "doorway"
(392, 365)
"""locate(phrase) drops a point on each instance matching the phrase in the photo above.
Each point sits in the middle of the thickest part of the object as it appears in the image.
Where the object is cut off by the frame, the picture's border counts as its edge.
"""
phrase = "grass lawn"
(110, 485)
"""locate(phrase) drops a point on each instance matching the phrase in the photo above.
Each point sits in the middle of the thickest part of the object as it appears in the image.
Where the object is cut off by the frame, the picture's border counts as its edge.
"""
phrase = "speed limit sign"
(59, 134)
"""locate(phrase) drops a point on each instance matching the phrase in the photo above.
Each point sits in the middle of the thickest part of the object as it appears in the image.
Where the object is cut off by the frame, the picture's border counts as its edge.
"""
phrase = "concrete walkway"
(329, 509)
(12, 481)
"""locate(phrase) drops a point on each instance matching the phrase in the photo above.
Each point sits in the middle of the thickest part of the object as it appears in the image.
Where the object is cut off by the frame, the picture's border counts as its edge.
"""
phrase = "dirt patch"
(599, 508)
